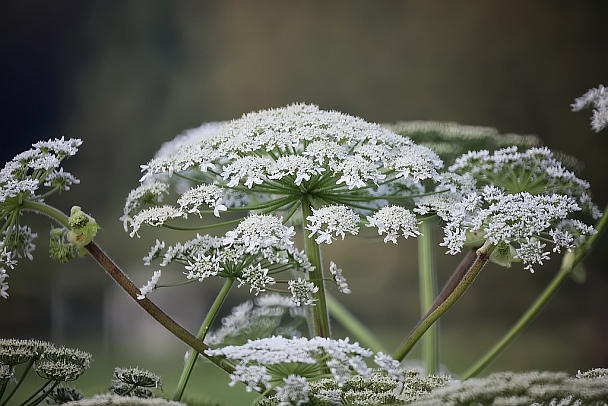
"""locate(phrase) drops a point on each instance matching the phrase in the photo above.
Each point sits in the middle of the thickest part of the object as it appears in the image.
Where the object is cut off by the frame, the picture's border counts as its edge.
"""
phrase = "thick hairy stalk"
(320, 319)
(427, 274)
(483, 256)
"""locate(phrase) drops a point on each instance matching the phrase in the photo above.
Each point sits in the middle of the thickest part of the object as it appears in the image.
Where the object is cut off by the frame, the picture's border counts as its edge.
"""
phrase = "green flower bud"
(83, 227)
(60, 249)
(503, 255)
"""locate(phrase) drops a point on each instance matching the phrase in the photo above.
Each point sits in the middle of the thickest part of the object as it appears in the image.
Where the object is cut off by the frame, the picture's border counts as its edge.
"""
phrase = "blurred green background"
(125, 76)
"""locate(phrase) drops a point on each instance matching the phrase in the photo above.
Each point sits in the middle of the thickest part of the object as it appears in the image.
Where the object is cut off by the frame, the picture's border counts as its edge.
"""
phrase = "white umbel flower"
(331, 221)
(394, 221)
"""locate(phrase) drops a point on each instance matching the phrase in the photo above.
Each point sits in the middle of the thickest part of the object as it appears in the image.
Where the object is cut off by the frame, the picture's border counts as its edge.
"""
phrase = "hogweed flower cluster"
(377, 389)
(53, 364)
(524, 389)
(520, 202)
(273, 160)
(330, 169)
(31, 176)
(288, 363)
(135, 382)
(253, 253)
(329, 174)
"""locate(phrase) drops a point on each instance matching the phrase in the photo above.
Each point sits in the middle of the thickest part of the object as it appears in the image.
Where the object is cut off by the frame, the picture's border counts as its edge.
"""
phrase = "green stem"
(436, 311)
(28, 368)
(43, 395)
(353, 325)
(319, 325)
(569, 262)
(127, 285)
(202, 333)
(152, 309)
(428, 292)
(37, 393)
(50, 211)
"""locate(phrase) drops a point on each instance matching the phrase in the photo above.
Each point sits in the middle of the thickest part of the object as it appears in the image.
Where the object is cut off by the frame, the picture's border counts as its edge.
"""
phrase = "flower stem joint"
(83, 229)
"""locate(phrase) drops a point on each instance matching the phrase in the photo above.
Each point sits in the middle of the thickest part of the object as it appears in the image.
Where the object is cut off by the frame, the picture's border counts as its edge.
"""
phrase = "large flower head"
(286, 364)
(279, 158)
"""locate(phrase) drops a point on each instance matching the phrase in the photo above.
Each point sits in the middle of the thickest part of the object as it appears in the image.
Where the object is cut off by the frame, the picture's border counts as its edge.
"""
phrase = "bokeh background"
(125, 76)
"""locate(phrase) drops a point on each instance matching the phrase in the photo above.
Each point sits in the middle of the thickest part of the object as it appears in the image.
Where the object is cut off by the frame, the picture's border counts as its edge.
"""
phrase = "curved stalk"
(130, 289)
(319, 325)
(152, 309)
(436, 311)
(569, 262)
(193, 357)
(428, 292)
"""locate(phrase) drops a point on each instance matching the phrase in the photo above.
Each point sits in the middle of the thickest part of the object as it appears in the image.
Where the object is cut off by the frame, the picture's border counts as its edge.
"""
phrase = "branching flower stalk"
(569, 262)
(319, 314)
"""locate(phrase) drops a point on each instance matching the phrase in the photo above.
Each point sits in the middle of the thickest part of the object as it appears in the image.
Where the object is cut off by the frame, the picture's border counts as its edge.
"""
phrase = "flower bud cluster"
(134, 382)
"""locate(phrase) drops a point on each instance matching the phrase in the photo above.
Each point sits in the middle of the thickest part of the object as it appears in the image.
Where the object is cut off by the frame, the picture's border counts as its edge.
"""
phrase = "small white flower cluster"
(261, 233)
(178, 154)
(143, 205)
(332, 220)
(211, 195)
(29, 170)
(150, 286)
(597, 99)
(294, 392)
(20, 179)
(302, 291)
(300, 359)
(530, 221)
(394, 220)
(150, 194)
(339, 278)
(256, 250)
(17, 243)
